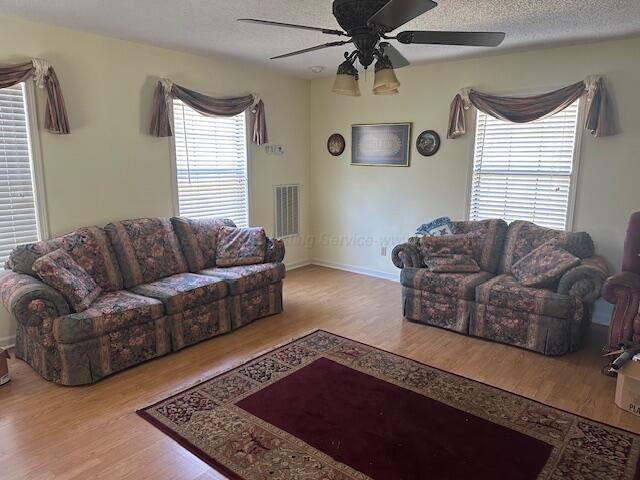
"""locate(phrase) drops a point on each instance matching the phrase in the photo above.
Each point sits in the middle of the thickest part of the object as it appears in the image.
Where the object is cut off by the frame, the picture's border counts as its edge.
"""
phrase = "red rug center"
(388, 432)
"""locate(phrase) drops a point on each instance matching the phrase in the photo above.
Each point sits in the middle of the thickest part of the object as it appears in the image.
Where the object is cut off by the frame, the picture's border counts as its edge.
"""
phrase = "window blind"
(18, 212)
(524, 171)
(211, 164)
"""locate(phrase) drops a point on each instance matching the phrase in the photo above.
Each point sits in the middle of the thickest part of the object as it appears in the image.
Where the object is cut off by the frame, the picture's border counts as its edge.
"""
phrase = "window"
(19, 213)
(525, 171)
(211, 165)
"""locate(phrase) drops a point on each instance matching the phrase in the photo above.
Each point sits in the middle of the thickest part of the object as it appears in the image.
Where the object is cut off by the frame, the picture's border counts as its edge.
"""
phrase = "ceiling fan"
(368, 25)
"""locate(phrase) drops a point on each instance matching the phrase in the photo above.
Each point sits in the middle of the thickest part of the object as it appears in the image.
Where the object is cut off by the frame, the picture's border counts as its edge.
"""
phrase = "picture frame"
(381, 144)
(428, 143)
(336, 144)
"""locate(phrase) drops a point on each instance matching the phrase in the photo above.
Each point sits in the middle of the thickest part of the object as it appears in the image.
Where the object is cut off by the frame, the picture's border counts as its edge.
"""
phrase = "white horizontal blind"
(287, 210)
(18, 212)
(211, 165)
(524, 171)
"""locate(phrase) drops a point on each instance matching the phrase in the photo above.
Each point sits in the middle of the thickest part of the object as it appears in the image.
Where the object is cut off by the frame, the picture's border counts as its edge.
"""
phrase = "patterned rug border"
(221, 468)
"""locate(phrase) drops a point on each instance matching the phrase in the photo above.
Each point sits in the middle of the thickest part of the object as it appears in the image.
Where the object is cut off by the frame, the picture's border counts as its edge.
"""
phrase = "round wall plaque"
(428, 143)
(336, 144)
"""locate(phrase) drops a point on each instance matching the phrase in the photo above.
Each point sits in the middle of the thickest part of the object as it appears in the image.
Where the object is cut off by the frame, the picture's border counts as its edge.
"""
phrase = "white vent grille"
(287, 210)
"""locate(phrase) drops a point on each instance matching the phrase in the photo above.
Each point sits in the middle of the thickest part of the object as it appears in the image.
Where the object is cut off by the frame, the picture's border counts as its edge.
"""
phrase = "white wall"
(109, 168)
(366, 205)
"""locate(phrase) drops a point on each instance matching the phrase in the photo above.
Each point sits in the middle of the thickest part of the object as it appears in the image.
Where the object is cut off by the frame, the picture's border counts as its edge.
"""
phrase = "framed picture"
(428, 143)
(336, 144)
(385, 144)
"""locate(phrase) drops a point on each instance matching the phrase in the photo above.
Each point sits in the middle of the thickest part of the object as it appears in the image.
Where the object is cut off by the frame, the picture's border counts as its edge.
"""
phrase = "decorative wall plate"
(336, 144)
(428, 143)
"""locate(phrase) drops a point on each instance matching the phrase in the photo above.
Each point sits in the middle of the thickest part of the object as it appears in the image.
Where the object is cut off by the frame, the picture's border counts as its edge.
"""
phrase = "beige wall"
(109, 168)
(368, 204)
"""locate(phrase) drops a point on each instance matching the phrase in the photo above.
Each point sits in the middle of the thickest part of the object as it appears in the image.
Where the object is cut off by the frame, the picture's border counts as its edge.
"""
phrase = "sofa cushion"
(147, 249)
(240, 246)
(451, 264)
(88, 246)
(524, 237)
(489, 241)
(109, 313)
(199, 238)
(446, 245)
(184, 291)
(544, 265)
(246, 278)
(58, 270)
(505, 291)
(457, 285)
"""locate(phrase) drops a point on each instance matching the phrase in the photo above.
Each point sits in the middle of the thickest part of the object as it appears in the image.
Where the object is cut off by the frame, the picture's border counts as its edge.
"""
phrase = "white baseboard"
(6, 342)
(300, 264)
(355, 269)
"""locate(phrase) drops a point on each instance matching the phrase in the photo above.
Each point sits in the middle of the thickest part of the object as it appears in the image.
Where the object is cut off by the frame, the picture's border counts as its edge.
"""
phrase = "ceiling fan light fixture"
(346, 82)
(395, 91)
(385, 82)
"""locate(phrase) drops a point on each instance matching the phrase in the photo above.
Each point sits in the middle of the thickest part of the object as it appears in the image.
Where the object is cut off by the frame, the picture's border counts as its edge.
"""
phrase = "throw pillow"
(436, 228)
(544, 265)
(240, 246)
(452, 264)
(58, 270)
(447, 245)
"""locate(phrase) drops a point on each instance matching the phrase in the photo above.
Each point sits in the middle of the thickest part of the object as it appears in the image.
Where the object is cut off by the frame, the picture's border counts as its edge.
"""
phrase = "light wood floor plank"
(47, 431)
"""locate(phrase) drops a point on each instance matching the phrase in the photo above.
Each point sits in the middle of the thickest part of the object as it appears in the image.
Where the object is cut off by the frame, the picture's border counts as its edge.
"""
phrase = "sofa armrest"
(623, 290)
(275, 251)
(406, 255)
(628, 282)
(585, 280)
(29, 300)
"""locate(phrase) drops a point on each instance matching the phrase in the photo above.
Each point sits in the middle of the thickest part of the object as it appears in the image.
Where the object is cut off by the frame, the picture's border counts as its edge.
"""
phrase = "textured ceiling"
(209, 26)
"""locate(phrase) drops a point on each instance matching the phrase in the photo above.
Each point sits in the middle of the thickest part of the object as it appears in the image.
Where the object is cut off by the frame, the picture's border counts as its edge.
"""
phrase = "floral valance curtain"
(527, 109)
(44, 75)
(166, 90)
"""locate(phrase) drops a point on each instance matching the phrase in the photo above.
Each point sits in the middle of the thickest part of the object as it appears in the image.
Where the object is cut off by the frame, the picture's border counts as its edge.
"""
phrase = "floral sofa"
(491, 303)
(162, 289)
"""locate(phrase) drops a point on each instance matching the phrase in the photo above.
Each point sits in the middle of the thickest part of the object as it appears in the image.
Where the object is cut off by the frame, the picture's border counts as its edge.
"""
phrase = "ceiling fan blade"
(477, 39)
(398, 12)
(397, 59)
(291, 25)
(312, 49)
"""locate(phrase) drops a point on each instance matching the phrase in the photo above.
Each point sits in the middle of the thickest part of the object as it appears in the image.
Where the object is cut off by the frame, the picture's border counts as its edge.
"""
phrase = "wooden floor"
(47, 431)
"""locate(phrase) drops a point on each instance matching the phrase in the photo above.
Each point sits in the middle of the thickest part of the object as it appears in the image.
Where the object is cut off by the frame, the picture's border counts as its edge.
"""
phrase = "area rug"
(324, 407)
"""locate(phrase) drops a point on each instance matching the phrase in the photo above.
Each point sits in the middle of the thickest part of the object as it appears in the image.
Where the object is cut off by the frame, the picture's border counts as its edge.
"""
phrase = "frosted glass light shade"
(385, 82)
(346, 85)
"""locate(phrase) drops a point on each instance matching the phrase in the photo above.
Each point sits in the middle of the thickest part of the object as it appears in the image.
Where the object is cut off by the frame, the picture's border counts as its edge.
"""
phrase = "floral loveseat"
(491, 303)
(162, 289)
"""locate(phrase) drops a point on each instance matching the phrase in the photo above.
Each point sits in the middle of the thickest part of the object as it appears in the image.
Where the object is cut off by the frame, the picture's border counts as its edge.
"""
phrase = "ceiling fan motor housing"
(354, 14)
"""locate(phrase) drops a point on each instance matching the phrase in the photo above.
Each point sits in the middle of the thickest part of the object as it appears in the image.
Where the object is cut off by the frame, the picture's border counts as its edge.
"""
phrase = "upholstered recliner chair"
(623, 290)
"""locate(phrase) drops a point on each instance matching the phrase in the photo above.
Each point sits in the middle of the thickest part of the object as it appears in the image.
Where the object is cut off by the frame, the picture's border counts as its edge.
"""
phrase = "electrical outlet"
(383, 251)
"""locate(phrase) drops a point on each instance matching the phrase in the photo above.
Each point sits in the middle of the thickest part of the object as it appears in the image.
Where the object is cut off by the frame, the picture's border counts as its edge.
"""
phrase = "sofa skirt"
(250, 306)
(93, 359)
(547, 335)
(200, 323)
(436, 310)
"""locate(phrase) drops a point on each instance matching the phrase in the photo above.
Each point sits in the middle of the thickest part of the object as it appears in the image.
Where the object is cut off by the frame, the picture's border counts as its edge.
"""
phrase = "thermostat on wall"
(274, 150)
